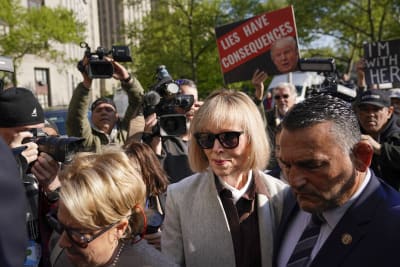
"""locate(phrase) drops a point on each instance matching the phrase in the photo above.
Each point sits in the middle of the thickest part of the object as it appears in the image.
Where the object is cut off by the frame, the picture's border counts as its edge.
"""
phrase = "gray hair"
(291, 87)
(325, 108)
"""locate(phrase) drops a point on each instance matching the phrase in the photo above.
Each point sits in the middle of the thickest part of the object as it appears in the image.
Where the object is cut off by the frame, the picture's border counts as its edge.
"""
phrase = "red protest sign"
(246, 45)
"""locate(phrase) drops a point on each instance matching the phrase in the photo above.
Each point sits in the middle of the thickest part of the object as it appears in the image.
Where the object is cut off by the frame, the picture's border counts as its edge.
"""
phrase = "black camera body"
(61, 149)
(330, 86)
(165, 100)
(98, 66)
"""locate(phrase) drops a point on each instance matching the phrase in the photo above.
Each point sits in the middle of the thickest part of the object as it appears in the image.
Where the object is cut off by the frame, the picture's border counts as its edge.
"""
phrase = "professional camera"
(330, 85)
(98, 66)
(164, 99)
(61, 149)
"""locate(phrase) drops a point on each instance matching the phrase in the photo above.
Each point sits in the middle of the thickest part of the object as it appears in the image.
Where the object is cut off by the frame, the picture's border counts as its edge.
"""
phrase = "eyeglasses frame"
(217, 136)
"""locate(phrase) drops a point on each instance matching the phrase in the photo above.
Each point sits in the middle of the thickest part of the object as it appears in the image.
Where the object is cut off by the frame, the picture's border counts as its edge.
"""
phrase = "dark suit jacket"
(13, 235)
(373, 222)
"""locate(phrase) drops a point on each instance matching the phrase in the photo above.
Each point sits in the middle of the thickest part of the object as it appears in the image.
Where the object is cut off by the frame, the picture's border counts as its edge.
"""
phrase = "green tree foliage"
(180, 34)
(349, 23)
(31, 31)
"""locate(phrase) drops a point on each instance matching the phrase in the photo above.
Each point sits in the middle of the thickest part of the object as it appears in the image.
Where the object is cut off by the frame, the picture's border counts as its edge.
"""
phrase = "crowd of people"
(242, 186)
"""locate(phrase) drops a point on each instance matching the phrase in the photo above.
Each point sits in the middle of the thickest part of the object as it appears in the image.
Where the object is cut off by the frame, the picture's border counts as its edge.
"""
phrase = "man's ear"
(390, 111)
(363, 153)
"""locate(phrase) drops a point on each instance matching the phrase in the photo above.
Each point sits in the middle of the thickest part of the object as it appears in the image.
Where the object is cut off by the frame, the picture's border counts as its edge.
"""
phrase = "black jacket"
(387, 164)
(13, 237)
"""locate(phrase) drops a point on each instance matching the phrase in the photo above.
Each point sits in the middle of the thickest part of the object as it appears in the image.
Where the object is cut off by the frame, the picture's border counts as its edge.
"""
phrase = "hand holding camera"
(45, 169)
(101, 64)
(31, 149)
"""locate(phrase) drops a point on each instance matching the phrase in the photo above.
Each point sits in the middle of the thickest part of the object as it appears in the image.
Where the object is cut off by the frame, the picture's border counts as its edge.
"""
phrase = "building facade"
(53, 82)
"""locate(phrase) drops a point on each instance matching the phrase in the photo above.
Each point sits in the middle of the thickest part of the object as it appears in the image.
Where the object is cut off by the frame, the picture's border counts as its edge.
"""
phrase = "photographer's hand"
(149, 123)
(120, 72)
(87, 82)
(258, 80)
(31, 152)
(46, 170)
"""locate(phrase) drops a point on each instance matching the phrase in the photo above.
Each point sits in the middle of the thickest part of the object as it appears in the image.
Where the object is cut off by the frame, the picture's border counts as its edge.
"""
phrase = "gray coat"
(140, 254)
(196, 230)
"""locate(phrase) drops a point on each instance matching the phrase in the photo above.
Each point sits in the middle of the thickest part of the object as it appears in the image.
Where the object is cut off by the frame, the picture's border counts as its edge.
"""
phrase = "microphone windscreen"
(151, 98)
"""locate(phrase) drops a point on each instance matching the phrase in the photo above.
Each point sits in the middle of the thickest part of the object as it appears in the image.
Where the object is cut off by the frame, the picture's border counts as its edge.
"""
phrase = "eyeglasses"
(277, 97)
(81, 239)
(228, 140)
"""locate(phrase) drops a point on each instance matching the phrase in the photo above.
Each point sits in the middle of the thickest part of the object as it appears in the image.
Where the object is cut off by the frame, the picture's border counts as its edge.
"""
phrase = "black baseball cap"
(19, 107)
(376, 97)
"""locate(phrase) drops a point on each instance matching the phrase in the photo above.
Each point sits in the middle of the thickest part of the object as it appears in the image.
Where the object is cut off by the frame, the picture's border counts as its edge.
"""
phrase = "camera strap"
(161, 200)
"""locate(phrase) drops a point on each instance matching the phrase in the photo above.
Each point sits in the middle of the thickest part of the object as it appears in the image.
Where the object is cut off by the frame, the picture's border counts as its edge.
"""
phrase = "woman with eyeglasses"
(226, 213)
(100, 214)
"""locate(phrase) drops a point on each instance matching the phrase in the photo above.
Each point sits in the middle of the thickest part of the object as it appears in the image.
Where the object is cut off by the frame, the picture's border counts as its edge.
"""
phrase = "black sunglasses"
(281, 96)
(226, 139)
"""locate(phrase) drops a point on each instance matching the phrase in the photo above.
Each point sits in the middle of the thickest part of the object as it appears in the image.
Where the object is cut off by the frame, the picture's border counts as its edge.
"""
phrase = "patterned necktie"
(302, 252)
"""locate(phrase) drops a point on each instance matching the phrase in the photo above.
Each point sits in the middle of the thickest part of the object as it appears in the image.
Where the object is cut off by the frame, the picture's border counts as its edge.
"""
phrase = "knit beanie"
(19, 107)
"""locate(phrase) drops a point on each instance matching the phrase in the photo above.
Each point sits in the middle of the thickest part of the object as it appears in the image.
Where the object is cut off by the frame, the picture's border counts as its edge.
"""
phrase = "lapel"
(266, 224)
(289, 211)
(351, 228)
(211, 218)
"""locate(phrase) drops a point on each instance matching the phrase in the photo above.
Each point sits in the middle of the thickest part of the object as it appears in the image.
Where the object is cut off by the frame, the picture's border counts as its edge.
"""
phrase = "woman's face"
(97, 253)
(229, 162)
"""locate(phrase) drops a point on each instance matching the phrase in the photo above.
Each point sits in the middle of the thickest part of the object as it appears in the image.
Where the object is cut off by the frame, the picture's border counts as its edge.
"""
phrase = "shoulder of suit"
(193, 180)
(273, 184)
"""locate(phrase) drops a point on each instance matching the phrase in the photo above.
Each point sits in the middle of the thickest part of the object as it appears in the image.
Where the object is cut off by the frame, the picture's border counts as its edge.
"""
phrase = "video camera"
(330, 85)
(98, 66)
(164, 99)
(61, 149)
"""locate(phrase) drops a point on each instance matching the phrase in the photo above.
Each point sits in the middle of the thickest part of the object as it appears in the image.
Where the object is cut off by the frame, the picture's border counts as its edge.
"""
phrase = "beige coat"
(196, 230)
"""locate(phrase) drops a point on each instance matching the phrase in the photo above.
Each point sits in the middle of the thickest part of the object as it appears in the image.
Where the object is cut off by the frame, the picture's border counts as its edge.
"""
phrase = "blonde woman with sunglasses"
(226, 213)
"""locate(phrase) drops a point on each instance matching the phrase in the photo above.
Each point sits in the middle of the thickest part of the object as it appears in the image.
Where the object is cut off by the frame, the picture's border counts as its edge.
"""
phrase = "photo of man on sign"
(284, 54)
(266, 42)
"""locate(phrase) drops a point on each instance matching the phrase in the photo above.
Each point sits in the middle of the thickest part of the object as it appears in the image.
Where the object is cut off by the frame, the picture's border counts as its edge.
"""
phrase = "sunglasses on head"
(227, 140)
(277, 97)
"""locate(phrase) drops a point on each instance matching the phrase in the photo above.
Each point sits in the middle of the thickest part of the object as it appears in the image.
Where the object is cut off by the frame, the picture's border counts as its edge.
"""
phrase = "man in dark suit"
(13, 238)
(327, 166)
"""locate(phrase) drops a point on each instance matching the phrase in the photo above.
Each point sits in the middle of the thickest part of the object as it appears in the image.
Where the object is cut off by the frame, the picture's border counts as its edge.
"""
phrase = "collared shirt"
(237, 193)
(243, 219)
(301, 220)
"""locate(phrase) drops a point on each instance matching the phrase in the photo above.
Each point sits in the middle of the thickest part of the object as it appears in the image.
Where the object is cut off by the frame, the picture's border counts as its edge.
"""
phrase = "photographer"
(107, 127)
(172, 150)
(21, 114)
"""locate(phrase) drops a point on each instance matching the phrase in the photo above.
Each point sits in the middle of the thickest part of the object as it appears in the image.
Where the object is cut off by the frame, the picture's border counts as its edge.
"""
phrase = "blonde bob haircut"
(99, 189)
(221, 109)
